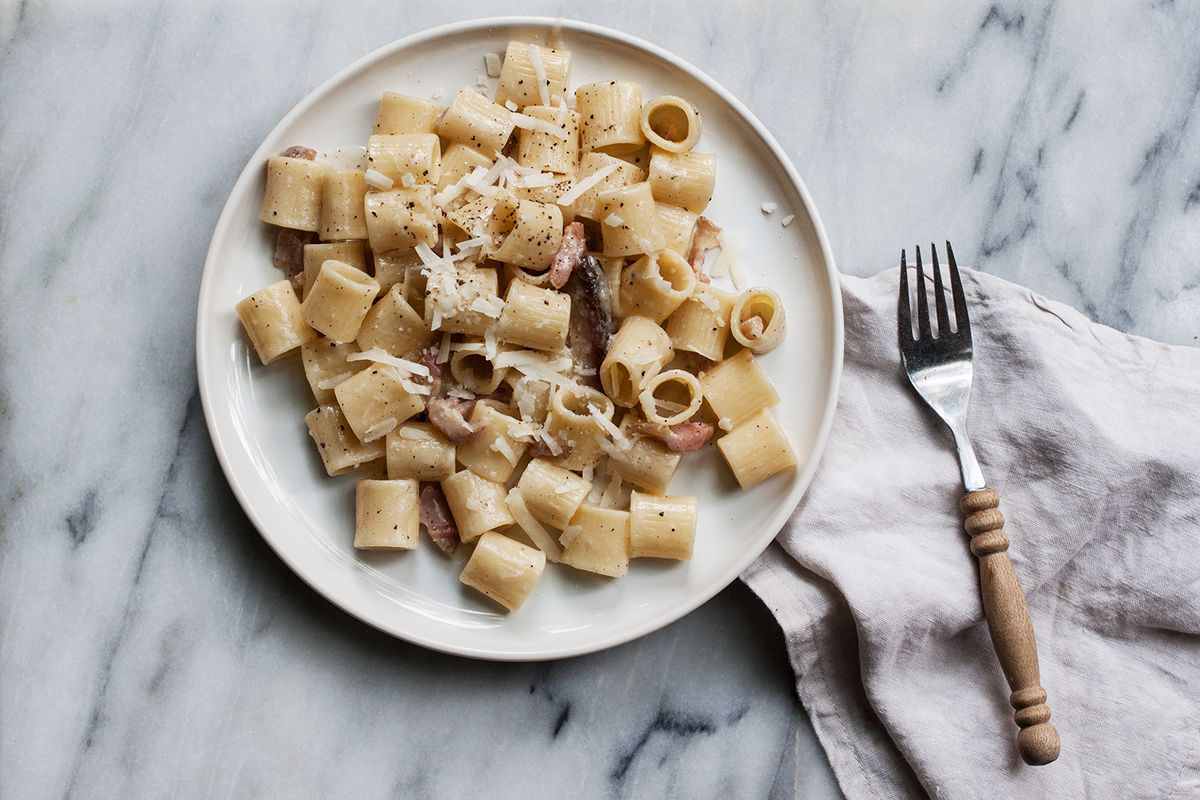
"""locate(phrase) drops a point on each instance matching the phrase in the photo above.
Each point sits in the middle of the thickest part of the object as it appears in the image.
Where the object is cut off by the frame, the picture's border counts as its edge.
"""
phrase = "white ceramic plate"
(255, 413)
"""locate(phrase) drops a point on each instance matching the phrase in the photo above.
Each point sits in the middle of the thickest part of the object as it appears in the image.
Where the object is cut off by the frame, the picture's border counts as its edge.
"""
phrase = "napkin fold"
(1092, 438)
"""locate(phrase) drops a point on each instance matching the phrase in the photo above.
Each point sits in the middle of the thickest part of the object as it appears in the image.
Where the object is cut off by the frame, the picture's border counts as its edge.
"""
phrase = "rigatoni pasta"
(339, 300)
(293, 195)
(757, 320)
(611, 116)
(400, 113)
(683, 179)
(274, 322)
(671, 124)
(508, 328)
(387, 515)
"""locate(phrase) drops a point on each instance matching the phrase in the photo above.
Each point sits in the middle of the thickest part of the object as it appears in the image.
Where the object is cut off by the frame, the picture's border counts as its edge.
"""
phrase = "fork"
(939, 368)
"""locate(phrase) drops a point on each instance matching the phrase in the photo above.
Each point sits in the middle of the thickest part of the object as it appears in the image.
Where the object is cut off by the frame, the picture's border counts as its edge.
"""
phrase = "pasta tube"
(597, 540)
(386, 515)
(683, 179)
(737, 388)
(400, 113)
(375, 401)
(637, 353)
(325, 366)
(339, 448)
(617, 174)
(572, 423)
(756, 449)
(701, 324)
(552, 494)
(293, 195)
(503, 569)
(545, 151)
(534, 317)
(661, 527)
(339, 300)
(629, 222)
(657, 284)
(520, 75)
(476, 504)
(417, 155)
(353, 253)
(671, 123)
(274, 322)
(342, 214)
(491, 452)
(419, 451)
(394, 326)
(401, 219)
(611, 116)
(757, 321)
(676, 391)
(476, 122)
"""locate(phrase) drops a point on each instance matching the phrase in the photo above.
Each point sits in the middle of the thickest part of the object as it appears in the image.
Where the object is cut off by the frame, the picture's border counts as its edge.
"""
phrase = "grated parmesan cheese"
(725, 424)
(611, 498)
(586, 184)
(414, 388)
(408, 180)
(510, 105)
(378, 180)
(539, 73)
(490, 345)
(460, 393)
(551, 442)
(384, 426)
(444, 348)
(787, 220)
(331, 382)
(613, 220)
(381, 356)
(534, 124)
(589, 472)
(538, 181)
(622, 441)
(415, 434)
(488, 306)
(491, 64)
(534, 529)
(501, 446)
(570, 534)
(769, 208)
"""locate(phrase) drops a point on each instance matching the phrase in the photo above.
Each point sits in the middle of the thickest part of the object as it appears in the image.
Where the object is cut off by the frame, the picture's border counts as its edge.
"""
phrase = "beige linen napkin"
(1092, 438)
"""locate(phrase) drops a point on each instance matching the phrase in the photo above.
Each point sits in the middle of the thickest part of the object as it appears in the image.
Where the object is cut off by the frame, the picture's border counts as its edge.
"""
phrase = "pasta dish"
(505, 313)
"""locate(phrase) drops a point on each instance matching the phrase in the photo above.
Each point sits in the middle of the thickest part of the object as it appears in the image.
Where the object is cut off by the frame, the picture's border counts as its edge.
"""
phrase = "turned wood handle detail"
(1008, 621)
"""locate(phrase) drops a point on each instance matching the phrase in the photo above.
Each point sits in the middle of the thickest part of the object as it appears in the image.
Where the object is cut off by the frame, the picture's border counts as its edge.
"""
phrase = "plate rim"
(774, 524)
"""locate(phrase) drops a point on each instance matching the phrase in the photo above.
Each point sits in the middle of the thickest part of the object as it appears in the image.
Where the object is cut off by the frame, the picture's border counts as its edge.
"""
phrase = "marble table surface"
(151, 645)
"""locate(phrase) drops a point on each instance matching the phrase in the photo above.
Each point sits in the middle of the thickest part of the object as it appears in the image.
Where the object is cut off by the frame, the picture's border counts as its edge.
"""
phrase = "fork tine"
(962, 321)
(939, 296)
(903, 310)
(923, 329)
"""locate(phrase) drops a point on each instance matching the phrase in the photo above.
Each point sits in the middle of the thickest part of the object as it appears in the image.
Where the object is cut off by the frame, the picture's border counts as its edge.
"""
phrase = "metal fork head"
(938, 364)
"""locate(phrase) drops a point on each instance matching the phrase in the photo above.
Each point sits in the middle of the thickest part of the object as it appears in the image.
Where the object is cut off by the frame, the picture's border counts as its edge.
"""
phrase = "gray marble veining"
(152, 645)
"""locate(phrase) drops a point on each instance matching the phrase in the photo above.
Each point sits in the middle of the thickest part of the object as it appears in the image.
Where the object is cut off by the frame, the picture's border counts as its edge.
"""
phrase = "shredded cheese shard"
(619, 438)
(539, 73)
(501, 446)
(408, 180)
(570, 534)
(787, 220)
(334, 380)
(769, 208)
(534, 529)
(381, 356)
(377, 180)
(614, 220)
(551, 443)
(384, 426)
(586, 184)
(534, 124)
(491, 63)
(510, 105)
(444, 348)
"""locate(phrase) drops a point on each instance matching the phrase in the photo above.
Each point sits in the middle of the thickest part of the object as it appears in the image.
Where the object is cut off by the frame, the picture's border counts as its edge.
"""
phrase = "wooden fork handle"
(1008, 621)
